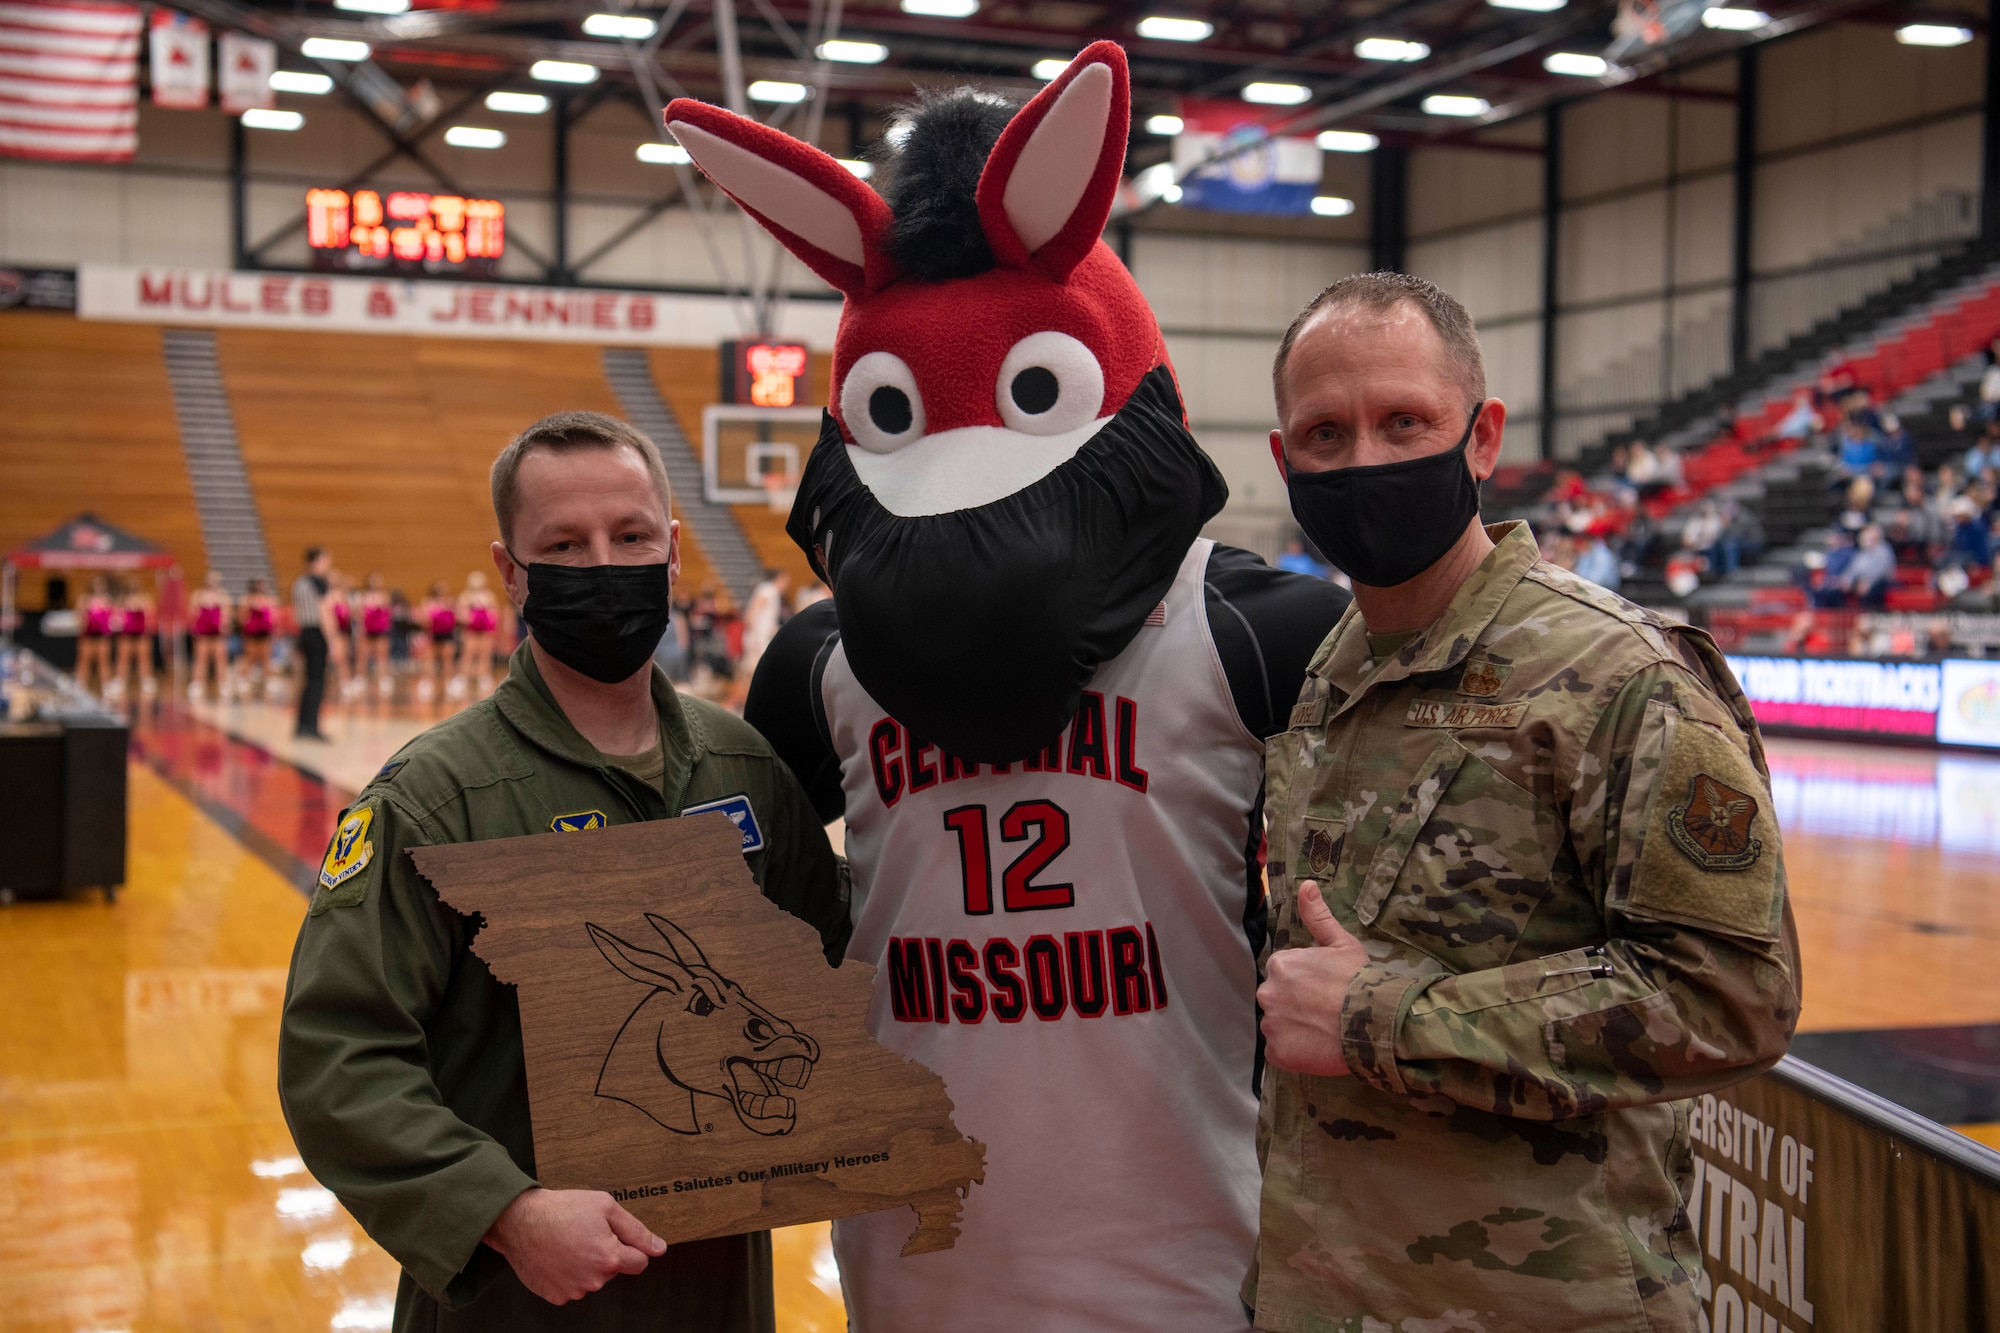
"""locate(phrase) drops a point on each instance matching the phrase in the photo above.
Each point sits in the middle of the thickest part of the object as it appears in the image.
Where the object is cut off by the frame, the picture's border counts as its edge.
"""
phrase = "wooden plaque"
(688, 1048)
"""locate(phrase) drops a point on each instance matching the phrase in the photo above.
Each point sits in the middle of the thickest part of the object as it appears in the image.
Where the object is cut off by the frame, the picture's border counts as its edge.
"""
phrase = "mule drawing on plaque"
(689, 1049)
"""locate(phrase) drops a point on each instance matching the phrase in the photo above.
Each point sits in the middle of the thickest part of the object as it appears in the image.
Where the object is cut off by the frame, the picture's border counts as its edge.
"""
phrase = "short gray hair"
(1380, 293)
(559, 434)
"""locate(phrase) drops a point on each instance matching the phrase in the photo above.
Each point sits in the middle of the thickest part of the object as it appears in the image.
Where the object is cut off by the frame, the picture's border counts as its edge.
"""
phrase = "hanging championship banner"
(180, 61)
(1277, 175)
(245, 65)
(688, 1048)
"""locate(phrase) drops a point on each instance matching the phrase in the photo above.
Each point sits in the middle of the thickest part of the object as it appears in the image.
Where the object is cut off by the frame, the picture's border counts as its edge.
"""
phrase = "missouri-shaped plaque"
(688, 1048)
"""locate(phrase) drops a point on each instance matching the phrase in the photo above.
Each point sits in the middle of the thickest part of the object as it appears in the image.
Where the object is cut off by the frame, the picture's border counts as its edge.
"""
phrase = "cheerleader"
(340, 635)
(94, 631)
(209, 628)
(135, 641)
(480, 614)
(376, 622)
(257, 623)
(437, 648)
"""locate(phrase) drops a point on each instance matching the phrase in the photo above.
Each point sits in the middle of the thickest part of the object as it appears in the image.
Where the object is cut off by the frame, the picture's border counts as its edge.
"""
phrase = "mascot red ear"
(819, 210)
(1049, 183)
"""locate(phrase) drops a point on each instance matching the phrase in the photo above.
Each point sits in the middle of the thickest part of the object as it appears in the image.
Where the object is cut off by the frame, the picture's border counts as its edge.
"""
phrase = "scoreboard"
(763, 374)
(405, 231)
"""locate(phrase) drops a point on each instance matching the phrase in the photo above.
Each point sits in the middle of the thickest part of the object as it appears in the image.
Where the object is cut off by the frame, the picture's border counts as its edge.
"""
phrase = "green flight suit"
(399, 1061)
(1548, 820)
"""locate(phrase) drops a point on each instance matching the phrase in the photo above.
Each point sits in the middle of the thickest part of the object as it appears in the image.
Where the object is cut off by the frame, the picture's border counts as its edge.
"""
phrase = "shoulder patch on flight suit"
(738, 810)
(347, 855)
(1703, 857)
(579, 821)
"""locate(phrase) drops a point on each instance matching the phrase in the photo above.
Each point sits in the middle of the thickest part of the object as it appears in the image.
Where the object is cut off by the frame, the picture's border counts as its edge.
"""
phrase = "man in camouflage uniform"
(1528, 896)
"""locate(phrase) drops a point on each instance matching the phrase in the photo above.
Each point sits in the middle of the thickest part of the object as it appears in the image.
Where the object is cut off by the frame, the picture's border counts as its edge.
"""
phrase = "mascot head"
(1005, 485)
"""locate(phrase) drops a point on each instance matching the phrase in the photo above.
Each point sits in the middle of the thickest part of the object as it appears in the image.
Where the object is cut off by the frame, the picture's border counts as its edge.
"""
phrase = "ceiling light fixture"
(1532, 6)
(664, 154)
(1165, 126)
(1332, 206)
(854, 164)
(1932, 34)
(1163, 28)
(1277, 94)
(1734, 20)
(853, 53)
(562, 71)
(1452, 104)
(1390, 48)
(1347, 141)
(942, 9)
(298, 81)
(1049, 70)
(474, 136)
(1578, 64)
(636, 27)
(374, 6)
(333, 48)
(517, 104)
(776, 90)
(263, 118)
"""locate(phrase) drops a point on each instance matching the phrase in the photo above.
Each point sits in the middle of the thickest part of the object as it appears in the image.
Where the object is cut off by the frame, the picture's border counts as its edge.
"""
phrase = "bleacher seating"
(88, 424)
(379, 447)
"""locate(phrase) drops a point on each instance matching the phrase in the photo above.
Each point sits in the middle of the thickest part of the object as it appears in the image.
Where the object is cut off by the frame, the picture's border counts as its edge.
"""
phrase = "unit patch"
(350, 851)
(1440, 713)
(1713, 828)
(738, 809)
(578, 822)
(1483, 678)
(1309, 713)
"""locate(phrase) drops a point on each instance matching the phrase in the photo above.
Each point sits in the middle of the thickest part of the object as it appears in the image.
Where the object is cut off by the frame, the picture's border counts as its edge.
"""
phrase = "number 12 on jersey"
(1043, 825)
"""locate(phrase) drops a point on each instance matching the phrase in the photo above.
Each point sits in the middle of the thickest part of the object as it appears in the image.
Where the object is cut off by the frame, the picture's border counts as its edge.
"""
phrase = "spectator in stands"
(1298, 560)
(1872, 572)
(1802, 421)
(1854, 450)
(1971, 543)
(1672, 475)
(1826, 585)
(1895, 450)
(1857, 509)
(1985, 451)
(1989, 386)
(1642, 467)
(1702, 534)
(1949, 483)
(1594, 561)
(1742, 534)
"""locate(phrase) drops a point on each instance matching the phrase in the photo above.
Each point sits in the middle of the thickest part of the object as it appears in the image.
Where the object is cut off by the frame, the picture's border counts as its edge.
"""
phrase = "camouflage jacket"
(1547, 817)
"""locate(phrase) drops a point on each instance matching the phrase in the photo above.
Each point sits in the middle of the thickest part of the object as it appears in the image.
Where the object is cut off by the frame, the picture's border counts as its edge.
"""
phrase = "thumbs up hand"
(1304, 990)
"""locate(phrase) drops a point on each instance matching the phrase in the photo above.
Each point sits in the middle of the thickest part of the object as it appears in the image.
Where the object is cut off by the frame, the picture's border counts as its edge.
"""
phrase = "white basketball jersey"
(1063, 941)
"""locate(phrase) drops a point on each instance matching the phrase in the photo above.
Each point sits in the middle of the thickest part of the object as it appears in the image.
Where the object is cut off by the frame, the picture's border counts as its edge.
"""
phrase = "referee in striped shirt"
(309, 591)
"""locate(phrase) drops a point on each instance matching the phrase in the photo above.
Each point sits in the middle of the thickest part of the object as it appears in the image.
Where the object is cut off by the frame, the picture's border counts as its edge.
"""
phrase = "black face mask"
(978, 629)
(602, 620)
(1386, 524)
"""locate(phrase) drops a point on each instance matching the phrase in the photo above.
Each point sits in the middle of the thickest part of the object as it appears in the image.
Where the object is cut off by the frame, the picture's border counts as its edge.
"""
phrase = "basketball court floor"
(147, 1181)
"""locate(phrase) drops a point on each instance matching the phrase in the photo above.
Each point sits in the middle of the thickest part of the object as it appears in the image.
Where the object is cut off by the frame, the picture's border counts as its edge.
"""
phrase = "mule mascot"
(1038, 697)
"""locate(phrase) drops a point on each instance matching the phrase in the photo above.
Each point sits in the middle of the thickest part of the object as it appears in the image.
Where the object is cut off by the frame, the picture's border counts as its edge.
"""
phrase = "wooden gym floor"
(147, 1181)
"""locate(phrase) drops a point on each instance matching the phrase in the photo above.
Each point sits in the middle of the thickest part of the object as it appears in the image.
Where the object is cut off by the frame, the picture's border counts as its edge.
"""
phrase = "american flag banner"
(69, 80)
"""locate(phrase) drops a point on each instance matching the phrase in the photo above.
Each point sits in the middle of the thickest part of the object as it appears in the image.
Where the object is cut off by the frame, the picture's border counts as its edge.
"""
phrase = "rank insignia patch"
(1713, 828)
(1322, 851)
(1483, 678)
(738, 809)
(579, 822)
(350, 851)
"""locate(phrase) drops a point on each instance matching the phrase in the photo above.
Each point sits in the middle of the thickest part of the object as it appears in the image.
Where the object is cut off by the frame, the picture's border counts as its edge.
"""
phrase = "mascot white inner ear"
(782, 195)
(1059, 159)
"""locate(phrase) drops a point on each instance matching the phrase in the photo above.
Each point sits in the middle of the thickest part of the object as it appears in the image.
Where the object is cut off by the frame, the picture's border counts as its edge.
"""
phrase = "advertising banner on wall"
(1821, 1207)
(1969, 706)
(433, 308)
(1826, 694)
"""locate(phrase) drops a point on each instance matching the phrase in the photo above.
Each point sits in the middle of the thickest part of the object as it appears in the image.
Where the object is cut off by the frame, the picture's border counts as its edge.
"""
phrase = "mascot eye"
(1049, 384)
(701, 1006)
(880, 404)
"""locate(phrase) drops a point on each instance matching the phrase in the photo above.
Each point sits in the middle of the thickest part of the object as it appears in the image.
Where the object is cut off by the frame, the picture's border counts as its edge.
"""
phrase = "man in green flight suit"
(1528, 897)
(399, 1065)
